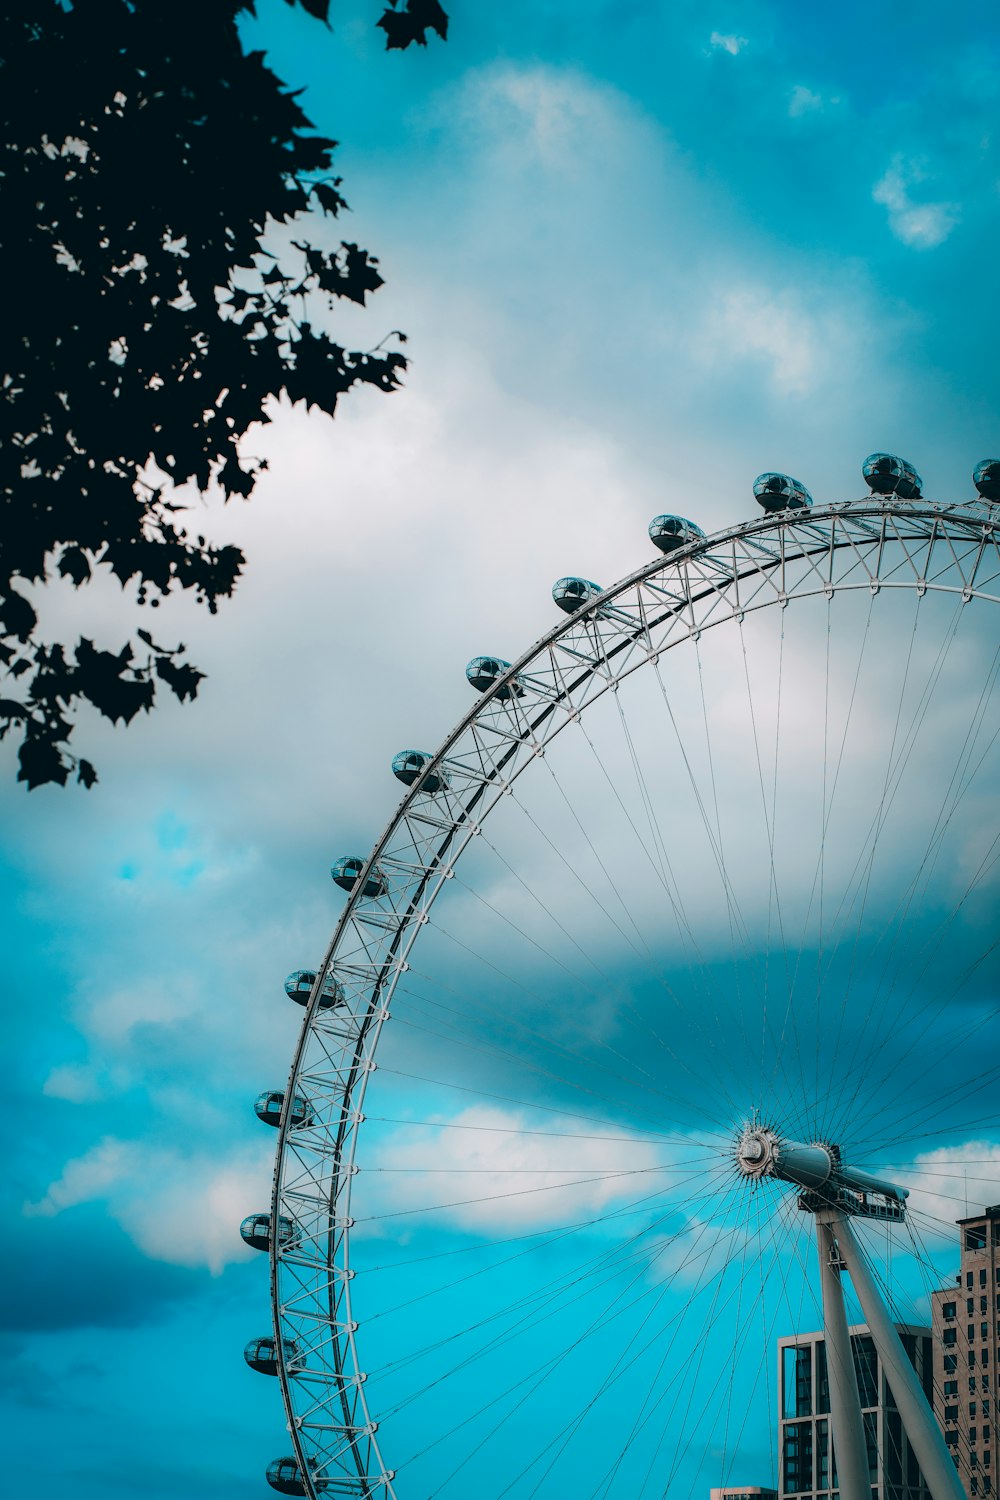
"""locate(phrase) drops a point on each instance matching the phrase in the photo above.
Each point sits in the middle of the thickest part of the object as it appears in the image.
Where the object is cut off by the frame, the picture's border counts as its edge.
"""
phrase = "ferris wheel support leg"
(846, 1420)
(919, 1424)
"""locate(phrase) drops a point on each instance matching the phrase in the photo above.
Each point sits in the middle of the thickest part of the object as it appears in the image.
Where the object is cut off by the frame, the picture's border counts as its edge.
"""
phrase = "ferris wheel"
(597, 1053)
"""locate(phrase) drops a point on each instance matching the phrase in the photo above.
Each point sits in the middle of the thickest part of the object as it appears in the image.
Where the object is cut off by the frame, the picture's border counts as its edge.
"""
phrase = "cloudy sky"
(642, 253)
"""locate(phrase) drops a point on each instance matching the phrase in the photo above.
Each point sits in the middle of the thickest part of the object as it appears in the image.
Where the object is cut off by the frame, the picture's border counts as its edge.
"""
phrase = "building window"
(865, 1368)
(950, 1337)
(951, 1387)
(951, 1413)
(950, 1363)
(975, 1486)
(948, 1310)
(822, 1455)
(951, 1438)
(796, 1458)
(972, 1382)
(975, 1237)
(797, 1380)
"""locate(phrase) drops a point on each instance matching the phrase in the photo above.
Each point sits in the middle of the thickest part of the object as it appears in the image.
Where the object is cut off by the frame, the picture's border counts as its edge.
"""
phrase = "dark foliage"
(146, 162)
(411, 22)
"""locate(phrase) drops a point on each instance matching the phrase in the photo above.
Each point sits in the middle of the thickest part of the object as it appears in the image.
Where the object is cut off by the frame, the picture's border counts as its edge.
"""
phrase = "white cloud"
(698, 1251)
(954, 1183)
(728, 42)
(184, 1210)
(75, 1083)
(922, 225)
(553, 117)
(773, 328)
(803, 101)
(496, 1180)
(93, 1175)
(111, 1017)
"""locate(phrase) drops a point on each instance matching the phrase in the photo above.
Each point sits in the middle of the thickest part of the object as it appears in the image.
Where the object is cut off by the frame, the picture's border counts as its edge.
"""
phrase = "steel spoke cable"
(490, 1049)
(818, 879)
(615, 1372)
(637, 1207)
(565, 1281)
(931, 945)
(619, 1370)
(533, 994)
(737, 923)
(701, 968)
(489, 1011)
(789, 1016)
(607, 1261)
(894, 781)
(864, 863)
(712, 1389)
(873, 1111)
(598, 1322)
(521, 1103)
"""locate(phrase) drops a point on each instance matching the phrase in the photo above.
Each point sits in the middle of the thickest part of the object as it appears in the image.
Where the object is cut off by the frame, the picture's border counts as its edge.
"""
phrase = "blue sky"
(641, 253)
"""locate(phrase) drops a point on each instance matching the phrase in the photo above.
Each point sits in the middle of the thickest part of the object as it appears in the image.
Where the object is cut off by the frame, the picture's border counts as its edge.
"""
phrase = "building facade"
(807, 1469)
(743, 1492)
(966, 1323)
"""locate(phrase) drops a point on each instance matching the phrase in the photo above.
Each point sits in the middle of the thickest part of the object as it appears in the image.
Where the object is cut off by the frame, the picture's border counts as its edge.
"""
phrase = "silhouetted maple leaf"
(412, 23)
(86, 774)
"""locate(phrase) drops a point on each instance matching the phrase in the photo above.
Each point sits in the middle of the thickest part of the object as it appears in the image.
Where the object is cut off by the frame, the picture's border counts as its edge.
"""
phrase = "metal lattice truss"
(873, 544)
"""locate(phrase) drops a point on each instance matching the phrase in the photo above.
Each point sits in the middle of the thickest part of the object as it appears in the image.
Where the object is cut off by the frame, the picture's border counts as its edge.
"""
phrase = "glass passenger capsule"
(572, 594)
(780, 492)
(484, 671)
(267, 1108)
(299, 984)
(670, 532)
(285, 1476)
(256, 1231)
(346, 871)
(262, 1354)
(885, 474)
(407, 766)
(986, 478)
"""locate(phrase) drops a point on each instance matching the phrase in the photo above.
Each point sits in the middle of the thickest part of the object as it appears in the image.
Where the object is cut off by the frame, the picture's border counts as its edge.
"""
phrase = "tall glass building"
(807, 1468)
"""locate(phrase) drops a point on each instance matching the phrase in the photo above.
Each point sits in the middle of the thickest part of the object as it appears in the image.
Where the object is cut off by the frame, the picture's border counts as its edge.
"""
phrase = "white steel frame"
(878, 543)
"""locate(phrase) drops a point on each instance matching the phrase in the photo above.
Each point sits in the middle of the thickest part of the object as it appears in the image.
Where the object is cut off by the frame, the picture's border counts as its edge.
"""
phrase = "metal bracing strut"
(918, 1420)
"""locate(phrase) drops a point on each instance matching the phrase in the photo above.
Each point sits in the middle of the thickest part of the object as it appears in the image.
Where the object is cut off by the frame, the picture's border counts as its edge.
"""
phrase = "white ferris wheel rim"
(878, 543)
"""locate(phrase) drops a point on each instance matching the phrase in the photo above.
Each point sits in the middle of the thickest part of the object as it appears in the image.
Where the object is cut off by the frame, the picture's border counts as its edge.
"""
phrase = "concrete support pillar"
(846, 1421)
